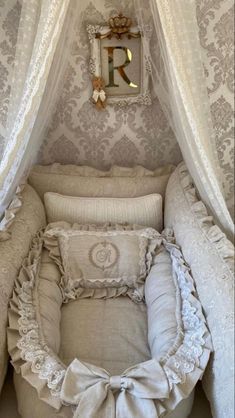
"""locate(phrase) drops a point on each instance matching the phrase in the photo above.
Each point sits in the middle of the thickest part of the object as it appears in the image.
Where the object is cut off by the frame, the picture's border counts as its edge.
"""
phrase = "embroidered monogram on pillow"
(106, 259)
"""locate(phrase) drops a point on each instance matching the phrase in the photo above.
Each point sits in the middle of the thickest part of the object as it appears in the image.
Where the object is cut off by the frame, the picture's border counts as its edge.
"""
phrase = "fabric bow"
(97, 394)
(99, 95)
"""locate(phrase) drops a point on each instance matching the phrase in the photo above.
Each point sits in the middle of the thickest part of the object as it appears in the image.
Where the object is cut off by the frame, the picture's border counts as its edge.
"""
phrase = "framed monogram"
(117, 59)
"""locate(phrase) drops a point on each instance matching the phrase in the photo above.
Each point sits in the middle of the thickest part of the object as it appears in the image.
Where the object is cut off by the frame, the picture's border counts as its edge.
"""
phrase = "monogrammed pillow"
(144, 210)
(98, 259)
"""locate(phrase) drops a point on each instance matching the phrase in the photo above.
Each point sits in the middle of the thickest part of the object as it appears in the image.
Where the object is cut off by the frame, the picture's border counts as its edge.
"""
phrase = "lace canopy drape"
(177, 79)
(40, 61)
(179, 82)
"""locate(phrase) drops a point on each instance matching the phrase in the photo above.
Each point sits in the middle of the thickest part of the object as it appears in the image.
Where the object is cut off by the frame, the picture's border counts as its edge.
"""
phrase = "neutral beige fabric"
(144, 210)
(8, 402)
(31, 407)
(29, 404)
(49, 301)
(104, 259)
(40, 366)
(160, 295)
(10, 213)
(27, 221)
(106, 338)
(86, 181)
(211, 258)
(35, 305)
(129, 395)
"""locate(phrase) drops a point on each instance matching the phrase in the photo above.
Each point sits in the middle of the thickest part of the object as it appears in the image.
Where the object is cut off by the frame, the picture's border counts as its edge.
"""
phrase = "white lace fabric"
(56, 240)
(210, 255)
(182, 366)
(10, 213)
(39, 67)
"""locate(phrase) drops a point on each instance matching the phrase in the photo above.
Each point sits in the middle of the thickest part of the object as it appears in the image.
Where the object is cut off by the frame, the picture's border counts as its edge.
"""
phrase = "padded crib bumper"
(211, 258)
(147, 389)
(23, 219)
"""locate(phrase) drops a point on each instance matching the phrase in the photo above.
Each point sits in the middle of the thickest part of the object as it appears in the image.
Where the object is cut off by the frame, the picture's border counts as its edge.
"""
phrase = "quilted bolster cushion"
(210, 256)
(14, 246)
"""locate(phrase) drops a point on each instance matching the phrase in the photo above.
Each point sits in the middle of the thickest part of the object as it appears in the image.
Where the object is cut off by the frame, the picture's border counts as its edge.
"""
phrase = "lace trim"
(212, 232)
(33, 350)
(11, 212)
(192, 354)
(194, 333)
(133, 286)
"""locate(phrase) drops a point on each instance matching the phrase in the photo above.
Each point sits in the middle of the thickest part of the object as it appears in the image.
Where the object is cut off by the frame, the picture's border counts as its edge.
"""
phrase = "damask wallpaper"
(216, 30)
(127, 136)
(136, 134)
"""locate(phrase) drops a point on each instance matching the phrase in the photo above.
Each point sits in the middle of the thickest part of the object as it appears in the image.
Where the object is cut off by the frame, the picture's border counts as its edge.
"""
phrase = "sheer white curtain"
(178, 80)
(41, 57)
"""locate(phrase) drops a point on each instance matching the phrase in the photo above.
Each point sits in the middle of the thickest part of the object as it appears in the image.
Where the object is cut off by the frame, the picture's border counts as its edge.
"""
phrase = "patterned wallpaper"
(216, 30)
(135, 134)
(127, 136)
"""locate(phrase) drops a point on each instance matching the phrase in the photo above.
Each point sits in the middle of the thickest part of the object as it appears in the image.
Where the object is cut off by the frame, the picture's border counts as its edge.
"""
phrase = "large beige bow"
(97, 394)
(99, 95)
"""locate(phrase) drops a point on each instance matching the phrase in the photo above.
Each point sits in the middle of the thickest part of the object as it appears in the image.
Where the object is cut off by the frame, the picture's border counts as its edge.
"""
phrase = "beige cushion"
(31, 407)
(88, 333)
(33, 337)
(27, 221)
(97, 259)
(84, 181)
(106, 339)
(145, 210)
(210, 256)
(160, 295)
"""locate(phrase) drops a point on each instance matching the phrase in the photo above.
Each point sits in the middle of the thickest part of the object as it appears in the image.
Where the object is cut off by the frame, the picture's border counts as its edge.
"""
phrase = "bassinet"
(210, 255)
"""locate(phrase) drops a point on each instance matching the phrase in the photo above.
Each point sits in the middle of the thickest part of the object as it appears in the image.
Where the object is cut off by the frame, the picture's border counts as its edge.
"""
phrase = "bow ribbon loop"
(99, 94)
(119, 382)
(92, 389)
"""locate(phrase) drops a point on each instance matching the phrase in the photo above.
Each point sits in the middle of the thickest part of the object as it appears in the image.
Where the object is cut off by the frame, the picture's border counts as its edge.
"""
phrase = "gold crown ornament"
(119, 25)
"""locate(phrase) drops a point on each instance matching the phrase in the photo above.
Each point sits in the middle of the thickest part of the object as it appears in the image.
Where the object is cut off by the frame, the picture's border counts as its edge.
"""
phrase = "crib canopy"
(177, 79)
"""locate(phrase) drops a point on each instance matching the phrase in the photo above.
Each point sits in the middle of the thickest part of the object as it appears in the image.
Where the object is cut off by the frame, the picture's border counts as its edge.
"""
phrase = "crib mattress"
(45, 336)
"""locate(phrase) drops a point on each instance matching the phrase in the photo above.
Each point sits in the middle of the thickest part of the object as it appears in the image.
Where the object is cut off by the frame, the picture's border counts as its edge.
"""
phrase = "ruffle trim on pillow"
(186, 361)
(212, 232)
(10, 213)
(71, 289)
(178, 372)
(115, 171)
(30, 354)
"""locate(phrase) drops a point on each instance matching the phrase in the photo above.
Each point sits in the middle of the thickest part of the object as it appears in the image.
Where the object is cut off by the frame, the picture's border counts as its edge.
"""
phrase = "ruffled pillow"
(98, 258)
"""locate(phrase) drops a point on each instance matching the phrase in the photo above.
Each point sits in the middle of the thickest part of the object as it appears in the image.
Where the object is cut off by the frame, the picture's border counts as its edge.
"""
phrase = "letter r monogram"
(119, 68)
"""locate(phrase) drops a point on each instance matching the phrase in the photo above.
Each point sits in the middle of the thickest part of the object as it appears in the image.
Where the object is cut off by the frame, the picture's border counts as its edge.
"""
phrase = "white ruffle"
(74, 289)
(211, 231)
(30, 353)
(10, 213)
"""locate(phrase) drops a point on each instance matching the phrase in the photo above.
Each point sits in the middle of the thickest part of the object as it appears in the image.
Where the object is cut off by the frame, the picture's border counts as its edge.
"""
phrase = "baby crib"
(205, 249)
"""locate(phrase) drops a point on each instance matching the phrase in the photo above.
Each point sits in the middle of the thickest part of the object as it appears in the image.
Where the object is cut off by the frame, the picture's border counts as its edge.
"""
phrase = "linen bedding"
(103, 355)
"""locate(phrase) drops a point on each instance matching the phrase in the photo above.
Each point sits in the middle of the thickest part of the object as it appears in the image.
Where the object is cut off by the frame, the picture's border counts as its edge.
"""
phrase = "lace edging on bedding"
(182, 369)
(73, 289)
(33, 350)
(213, 233)
(11, 212)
